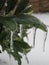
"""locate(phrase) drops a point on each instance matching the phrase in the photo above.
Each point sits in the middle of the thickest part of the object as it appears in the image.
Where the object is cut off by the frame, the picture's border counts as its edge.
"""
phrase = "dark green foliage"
(10, 5)
(17, 57)
(21, 46)
(29, 19)
(3, 34)
(1, 27)
(18, 45)
(23, 19)
(22, 5)
(27, 9)
(2, 2)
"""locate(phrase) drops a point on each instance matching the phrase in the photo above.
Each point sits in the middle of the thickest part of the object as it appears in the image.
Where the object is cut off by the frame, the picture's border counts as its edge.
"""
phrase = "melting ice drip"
(11, 46)
(21, 31)
(27, 59)
(21, 36)
(11, 41)
(34, 35)
(45, 37)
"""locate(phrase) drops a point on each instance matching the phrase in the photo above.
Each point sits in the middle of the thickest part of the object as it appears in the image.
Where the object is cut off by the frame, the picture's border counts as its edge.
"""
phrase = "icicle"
(27, 59)
(17, 27)
(45, 37)
(11, 41)
(6, 3)
(24, 52)
(34, 37)
(11, 46)
(21, 31)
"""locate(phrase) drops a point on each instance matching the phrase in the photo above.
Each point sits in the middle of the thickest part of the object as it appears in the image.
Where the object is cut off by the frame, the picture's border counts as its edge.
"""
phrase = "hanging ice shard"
(11, 41)
(34, 35)
(45, 37)
(27, 59)
(21, 31)
(11, 46)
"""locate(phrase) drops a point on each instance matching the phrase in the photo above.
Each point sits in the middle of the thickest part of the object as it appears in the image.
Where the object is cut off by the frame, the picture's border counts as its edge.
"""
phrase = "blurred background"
(40, 5)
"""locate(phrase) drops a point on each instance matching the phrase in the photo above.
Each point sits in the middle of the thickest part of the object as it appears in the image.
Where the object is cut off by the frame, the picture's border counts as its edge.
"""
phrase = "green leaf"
(8, 22)
(22, 19)
(30, 19)
(11, 25)
(16, 57)
(20, 46)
